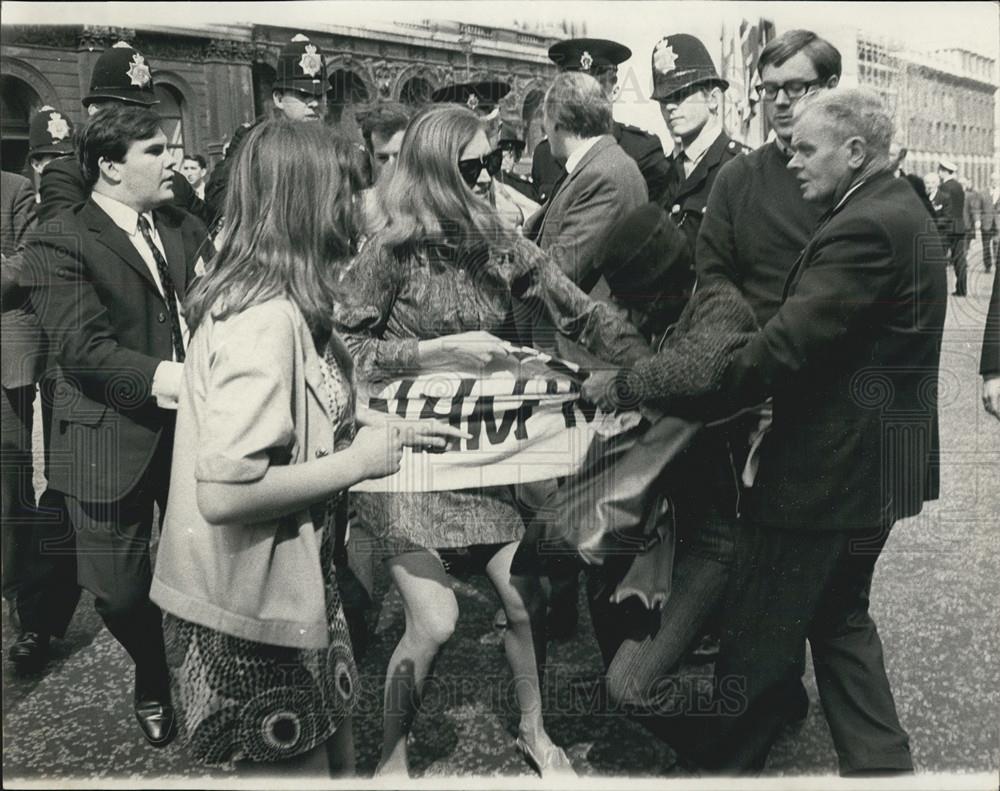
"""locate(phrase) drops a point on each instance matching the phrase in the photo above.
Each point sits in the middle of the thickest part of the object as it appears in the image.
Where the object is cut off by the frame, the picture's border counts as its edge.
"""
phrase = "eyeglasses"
(794, 89)
(471, 168)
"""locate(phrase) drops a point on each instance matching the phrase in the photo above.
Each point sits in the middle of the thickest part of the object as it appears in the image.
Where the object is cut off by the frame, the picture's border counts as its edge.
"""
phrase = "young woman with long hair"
(440, 285)
(262, 671)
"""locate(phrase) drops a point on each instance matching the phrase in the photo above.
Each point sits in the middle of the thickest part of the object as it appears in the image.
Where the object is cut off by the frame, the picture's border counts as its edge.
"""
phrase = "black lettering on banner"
(483, 414)
(402, 393)
(453, 415)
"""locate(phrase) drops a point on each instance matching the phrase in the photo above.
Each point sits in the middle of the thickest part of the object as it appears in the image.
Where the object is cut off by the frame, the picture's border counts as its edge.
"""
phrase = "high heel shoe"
(552, 763)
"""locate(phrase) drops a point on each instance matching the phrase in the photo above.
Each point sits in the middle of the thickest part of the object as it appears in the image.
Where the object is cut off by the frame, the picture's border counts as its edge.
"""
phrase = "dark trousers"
(958, 262)
(114, 564)
(789, 586)
(39, 546)
(988, 241)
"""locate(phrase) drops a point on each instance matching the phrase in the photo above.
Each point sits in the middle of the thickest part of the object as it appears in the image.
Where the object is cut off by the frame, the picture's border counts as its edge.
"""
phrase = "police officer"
(600, 58)
(121, 76)
(513, 146)
(298, 94)
(689, 91)
(50, 136)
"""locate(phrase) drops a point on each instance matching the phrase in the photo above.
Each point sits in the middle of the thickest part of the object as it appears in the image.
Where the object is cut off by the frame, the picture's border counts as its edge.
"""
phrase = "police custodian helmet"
(121, 74)
(301, 67)
(50, 132)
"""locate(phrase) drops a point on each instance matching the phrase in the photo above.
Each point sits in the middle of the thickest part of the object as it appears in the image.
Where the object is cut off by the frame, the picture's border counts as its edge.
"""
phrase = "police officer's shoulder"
(735, 148)
(634, 137)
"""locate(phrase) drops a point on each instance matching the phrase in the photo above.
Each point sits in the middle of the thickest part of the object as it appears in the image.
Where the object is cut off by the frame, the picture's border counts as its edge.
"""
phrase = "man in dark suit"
(989, 364)
(600, 59)
(22, 361)
(954, 221)
(851, 359)
(122, 76)
(108, 290)
(601, 186)
(689, 91)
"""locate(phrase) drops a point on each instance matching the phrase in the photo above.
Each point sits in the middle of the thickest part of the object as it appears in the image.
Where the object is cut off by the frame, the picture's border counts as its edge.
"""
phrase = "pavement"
(936, 598)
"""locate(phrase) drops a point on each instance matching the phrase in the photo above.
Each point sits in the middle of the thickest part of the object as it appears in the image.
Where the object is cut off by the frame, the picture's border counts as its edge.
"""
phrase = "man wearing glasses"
(757, 222)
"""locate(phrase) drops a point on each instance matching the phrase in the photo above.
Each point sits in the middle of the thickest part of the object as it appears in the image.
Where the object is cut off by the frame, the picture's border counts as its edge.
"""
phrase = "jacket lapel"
(566, 180)
(694, 182)
(173, 246)
(115, 239)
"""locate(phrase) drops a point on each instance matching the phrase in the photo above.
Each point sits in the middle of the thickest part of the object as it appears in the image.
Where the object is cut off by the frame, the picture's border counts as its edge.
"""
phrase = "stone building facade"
(211, 78)
(944, 104)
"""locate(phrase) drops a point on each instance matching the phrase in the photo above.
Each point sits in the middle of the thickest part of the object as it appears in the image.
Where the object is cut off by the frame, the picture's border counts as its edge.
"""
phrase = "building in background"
(944, 104)
(212, 78)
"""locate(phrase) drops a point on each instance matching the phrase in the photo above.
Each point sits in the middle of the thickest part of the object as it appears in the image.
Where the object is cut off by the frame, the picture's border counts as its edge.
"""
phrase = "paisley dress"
(240, 700)
(392, 301)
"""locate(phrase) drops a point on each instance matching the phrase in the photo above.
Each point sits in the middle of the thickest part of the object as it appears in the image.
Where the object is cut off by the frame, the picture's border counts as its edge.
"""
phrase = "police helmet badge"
(586, 61)
(138, 71)
(472, 101)
(57, 128)
(664, 58)
(311, 61)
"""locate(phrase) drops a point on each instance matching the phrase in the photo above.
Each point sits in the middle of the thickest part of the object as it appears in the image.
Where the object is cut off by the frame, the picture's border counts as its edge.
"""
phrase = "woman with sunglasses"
(440, 286)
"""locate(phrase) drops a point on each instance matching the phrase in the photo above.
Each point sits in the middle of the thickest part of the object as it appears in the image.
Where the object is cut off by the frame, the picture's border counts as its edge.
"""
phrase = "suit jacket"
(644, 148)
(572, 226)
(109, 329)
(953, 207)
(23, 356)
(851, 358)
(61, 187)
(989, 364)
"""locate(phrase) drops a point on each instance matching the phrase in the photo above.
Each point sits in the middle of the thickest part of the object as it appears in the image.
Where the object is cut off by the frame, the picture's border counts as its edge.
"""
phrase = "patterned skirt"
(239, 700)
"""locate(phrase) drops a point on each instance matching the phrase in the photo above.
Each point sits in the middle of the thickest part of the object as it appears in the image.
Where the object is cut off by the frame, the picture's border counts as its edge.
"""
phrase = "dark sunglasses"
(471, 168)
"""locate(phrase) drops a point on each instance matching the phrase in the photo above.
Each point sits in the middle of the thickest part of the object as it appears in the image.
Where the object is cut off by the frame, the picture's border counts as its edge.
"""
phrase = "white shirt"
(127, 218)
(693, 153)
(574, 159)
(165, 387)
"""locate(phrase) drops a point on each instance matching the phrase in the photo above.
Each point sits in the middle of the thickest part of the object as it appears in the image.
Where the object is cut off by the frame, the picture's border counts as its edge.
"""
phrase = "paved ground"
(936, 598)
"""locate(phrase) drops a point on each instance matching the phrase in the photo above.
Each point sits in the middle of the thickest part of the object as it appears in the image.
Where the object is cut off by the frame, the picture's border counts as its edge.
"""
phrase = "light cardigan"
(252, 396)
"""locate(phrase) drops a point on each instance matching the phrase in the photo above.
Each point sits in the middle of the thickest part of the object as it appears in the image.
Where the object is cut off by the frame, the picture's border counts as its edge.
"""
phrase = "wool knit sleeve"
(691, 363)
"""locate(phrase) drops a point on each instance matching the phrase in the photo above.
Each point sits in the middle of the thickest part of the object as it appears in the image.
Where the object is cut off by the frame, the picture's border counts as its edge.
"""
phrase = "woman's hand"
(378, 450)
(465, 349)
(428, 433)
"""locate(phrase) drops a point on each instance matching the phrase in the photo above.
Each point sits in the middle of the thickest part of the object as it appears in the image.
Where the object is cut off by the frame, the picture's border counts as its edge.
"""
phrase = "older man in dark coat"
(851, 358)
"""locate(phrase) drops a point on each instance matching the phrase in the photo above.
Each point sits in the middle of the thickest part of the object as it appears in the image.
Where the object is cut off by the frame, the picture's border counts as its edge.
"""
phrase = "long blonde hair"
(291, 219)
(425, 199)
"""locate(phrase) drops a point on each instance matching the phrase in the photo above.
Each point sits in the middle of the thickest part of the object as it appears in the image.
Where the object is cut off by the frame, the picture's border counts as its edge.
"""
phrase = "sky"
(924, 26)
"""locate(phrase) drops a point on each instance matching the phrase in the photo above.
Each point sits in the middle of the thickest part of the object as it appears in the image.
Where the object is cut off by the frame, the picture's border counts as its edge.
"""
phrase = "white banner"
(523, 414)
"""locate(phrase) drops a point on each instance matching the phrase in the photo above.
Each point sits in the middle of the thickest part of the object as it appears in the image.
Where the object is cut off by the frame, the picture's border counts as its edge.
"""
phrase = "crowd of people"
(201, 344)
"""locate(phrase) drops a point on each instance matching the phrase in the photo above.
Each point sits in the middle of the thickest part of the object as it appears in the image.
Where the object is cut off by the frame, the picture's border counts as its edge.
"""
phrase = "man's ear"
(857, 151)
(833, 81)
(715, 98)
(110, 169)
(277, 97)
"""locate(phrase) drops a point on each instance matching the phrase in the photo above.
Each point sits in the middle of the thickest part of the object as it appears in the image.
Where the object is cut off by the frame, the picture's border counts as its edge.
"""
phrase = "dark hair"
(576, 102)
(109, 133)
(824, 56)
(290, 220)
(202, 162)
(384, 119)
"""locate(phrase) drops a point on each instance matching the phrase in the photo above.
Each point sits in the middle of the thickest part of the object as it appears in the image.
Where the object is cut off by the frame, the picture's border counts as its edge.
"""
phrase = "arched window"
(415, 92)
(18, 102)
(171, 120)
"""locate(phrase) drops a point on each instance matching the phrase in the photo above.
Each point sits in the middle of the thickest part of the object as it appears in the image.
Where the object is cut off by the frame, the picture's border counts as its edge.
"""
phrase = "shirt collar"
(697, 148)
(125, 217)
(783, 147)
(574, 159)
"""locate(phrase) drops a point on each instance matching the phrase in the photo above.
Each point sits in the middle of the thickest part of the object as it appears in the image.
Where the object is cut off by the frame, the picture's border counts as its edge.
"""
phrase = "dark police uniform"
(593, 56)
(686, 197)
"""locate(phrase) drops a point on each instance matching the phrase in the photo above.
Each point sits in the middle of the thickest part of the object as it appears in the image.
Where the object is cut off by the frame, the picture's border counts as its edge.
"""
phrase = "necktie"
(169, 295)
